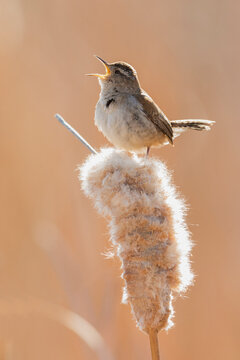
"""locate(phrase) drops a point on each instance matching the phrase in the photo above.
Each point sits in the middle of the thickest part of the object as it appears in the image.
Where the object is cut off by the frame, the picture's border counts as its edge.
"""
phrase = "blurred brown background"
(187, 56)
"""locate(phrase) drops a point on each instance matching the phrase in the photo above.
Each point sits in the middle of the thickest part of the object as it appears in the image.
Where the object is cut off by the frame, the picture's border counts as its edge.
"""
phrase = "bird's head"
(120, 77)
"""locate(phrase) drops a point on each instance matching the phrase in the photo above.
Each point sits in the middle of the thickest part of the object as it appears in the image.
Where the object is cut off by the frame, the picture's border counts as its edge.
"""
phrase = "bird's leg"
(148, 149)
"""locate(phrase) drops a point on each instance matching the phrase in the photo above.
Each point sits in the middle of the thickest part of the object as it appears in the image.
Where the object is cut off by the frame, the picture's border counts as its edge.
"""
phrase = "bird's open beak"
(108, 71)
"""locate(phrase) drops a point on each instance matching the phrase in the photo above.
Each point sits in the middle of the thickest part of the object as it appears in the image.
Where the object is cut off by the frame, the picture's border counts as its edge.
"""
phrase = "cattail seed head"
(147, 228)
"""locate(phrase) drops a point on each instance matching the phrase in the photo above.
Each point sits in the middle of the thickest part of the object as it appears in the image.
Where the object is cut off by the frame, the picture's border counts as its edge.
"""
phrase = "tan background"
(187, 56)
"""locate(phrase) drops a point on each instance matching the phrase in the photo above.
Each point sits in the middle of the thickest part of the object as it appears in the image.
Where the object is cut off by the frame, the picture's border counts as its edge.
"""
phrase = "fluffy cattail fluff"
(147, 228)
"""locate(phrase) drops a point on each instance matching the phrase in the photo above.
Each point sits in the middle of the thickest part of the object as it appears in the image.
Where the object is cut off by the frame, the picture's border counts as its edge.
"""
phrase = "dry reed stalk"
(153, 337)
(148, 231)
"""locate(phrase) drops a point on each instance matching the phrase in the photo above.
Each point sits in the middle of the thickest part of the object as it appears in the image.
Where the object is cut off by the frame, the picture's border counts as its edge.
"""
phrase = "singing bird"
(127, 115)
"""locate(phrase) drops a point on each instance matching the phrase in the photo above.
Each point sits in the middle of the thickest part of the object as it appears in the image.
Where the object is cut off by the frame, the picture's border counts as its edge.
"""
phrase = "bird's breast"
(122, 120)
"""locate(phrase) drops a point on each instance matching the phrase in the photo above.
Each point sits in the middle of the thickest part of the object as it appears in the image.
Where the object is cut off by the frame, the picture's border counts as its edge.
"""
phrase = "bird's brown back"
(155, 115)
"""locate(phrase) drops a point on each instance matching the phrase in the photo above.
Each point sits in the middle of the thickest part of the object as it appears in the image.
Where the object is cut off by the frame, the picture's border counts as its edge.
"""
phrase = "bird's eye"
(117, 72)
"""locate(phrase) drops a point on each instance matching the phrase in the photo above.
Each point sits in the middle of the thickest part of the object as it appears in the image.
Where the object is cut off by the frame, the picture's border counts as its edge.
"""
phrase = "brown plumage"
(155, 115)
(129, 118)
(192, 124)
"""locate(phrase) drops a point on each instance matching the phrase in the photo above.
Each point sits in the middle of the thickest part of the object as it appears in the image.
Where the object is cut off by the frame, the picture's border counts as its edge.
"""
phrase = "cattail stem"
(75, 133)
(153, 336)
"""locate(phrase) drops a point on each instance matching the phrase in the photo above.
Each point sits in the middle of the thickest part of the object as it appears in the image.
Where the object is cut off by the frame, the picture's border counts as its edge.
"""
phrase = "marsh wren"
(127, 115)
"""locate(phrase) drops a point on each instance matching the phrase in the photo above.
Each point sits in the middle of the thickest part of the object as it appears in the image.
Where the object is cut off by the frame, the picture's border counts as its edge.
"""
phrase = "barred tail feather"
(195, 124)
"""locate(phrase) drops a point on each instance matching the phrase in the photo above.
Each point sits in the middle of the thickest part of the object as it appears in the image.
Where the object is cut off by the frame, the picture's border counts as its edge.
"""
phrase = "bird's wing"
(155, 115)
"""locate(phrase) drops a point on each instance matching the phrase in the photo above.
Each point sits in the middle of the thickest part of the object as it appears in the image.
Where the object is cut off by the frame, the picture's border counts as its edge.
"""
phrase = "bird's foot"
(148, 149)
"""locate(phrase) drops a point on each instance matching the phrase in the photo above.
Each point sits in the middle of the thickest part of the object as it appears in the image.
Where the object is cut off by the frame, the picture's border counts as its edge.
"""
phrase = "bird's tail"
(195, 124)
